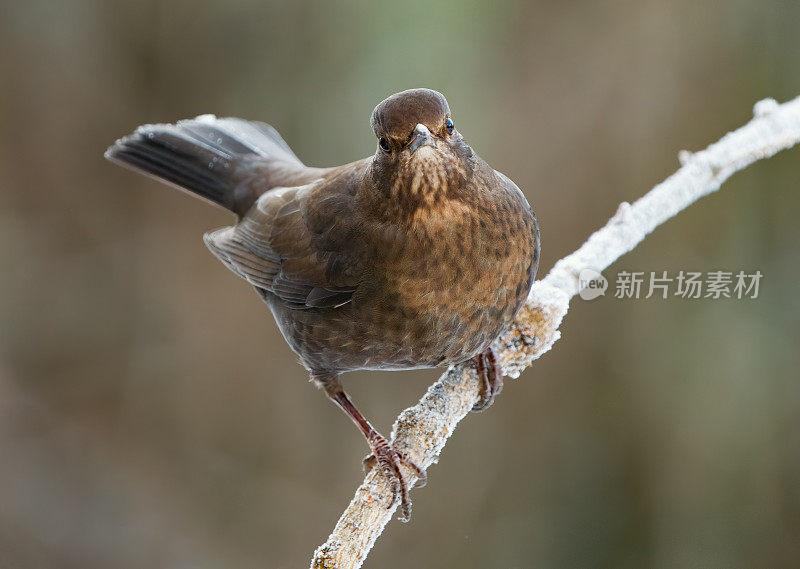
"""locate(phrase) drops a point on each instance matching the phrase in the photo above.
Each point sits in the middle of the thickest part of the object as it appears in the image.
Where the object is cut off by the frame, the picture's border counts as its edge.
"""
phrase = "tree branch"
(423, 430)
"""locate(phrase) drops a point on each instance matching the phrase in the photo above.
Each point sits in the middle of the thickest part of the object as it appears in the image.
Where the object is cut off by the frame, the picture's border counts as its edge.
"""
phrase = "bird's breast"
(452, 282)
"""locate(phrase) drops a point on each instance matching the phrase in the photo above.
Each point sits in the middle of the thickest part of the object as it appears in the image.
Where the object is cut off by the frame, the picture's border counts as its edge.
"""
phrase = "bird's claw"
(389, 460)
(491, 376)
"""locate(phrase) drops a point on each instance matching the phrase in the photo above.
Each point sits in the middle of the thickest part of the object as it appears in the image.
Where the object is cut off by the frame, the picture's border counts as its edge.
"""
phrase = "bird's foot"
(491, 376)
(389, 460)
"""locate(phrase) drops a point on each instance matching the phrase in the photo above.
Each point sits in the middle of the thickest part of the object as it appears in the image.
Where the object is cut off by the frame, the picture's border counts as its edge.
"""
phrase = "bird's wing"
(299, 243)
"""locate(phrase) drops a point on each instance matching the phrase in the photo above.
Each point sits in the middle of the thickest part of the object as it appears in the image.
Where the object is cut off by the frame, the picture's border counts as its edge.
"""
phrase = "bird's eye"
(449, 125)
(384, 144)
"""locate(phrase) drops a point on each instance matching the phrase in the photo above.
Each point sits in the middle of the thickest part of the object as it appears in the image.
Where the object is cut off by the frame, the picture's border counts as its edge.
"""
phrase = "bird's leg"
(491, 376)
(383, 454)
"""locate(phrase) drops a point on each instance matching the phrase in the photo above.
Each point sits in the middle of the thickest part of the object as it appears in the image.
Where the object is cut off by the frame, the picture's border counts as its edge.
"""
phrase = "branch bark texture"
(423, 430)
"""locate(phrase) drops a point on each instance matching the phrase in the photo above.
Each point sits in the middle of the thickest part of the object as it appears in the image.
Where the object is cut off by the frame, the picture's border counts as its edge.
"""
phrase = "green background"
(152, 416)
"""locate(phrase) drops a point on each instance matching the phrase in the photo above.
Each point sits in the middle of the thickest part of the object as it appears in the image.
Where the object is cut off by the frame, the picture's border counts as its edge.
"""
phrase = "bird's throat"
(424, 182)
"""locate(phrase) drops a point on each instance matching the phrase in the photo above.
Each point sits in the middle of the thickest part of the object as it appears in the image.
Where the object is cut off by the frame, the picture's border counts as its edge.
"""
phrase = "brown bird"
(415, 257)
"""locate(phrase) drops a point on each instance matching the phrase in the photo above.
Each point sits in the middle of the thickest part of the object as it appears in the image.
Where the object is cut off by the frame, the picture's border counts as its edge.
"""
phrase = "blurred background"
(152, 416)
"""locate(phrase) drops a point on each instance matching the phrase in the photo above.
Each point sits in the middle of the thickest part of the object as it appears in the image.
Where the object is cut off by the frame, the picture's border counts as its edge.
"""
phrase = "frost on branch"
(423, 430)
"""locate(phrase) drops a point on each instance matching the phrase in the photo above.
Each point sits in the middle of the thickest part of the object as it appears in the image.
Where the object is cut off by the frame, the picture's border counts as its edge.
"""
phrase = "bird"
(417, 256)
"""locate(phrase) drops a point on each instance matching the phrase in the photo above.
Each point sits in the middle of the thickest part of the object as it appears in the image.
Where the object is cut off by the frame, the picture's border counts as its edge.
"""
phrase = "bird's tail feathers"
(202, 155)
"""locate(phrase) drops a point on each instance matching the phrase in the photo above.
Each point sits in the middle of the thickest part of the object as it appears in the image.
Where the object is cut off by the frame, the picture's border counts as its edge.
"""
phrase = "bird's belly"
(427, 325)
(342, 343)
(433, 302)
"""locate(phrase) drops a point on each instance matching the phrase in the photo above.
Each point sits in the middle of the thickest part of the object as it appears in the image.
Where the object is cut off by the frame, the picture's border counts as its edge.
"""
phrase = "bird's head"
(421, 158)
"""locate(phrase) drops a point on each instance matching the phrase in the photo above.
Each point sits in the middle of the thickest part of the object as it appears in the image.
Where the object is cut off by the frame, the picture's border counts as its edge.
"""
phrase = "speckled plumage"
(418, 256)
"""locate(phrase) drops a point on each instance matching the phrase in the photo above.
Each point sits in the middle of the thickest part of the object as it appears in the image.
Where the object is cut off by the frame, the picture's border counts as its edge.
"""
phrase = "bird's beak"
(421, 137)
